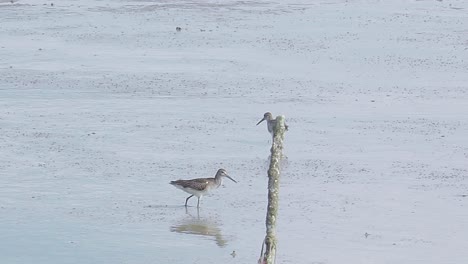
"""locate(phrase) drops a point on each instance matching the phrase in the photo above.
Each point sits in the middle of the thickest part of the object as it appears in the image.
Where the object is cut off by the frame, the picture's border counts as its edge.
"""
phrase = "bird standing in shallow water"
(201, 186)
(271, 123)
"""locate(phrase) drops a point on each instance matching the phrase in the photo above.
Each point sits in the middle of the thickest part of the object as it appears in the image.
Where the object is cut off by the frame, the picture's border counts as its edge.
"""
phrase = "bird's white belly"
(193, 191)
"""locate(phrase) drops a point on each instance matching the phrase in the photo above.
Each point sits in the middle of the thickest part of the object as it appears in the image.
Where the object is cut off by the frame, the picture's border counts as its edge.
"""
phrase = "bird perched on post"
(271, 123)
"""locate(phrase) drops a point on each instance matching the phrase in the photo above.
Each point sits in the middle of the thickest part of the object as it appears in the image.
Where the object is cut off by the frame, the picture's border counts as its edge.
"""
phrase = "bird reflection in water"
(199, 226)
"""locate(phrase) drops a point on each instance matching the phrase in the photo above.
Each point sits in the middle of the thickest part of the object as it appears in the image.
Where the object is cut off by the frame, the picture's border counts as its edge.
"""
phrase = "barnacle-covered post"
(273, 192)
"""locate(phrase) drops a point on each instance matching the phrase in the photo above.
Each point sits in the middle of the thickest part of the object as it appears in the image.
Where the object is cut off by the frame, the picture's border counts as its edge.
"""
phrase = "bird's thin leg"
(186, 200)
(198, 204)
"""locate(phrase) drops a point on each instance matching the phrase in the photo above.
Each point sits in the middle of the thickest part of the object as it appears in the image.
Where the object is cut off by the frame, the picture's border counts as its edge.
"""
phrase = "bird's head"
(267, 116)
(223, 173)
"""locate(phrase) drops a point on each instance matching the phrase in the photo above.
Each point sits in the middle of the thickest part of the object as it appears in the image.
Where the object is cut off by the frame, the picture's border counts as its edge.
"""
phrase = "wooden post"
(273, 192)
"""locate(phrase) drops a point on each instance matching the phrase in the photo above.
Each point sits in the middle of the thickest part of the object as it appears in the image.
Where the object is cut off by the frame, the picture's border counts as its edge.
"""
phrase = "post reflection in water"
(199, 226)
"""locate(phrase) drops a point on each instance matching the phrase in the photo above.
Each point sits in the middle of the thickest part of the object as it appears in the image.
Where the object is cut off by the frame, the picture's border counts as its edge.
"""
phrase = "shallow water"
(102, 103)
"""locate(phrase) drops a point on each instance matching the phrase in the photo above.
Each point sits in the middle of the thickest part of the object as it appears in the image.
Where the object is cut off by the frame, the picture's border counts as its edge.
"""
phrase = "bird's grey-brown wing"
(196, 184)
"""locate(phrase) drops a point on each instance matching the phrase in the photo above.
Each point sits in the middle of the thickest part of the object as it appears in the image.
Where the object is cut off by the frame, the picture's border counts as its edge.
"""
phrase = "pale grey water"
(102, 103)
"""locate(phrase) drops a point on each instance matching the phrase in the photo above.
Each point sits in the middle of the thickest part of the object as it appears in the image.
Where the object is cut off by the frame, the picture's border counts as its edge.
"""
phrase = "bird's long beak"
(263, 119)
(230, 178)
